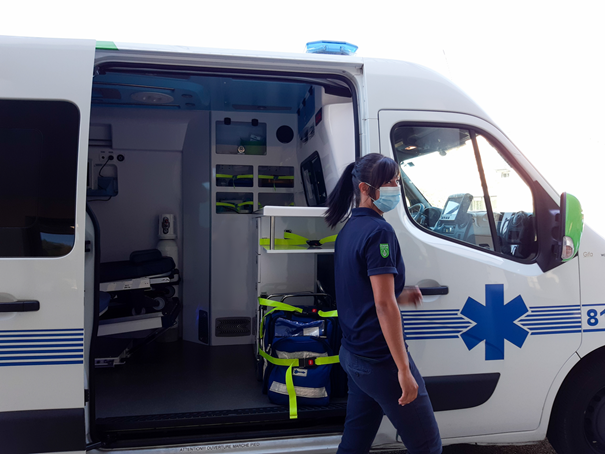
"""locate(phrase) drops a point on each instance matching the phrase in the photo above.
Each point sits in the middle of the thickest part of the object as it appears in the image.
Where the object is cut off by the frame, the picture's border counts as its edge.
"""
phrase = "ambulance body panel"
(491, 322)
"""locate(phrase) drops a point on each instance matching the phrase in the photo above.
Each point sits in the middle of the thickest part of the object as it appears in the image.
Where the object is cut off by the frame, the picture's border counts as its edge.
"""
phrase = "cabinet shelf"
(300, 225)
(296, 211)
(281, 250)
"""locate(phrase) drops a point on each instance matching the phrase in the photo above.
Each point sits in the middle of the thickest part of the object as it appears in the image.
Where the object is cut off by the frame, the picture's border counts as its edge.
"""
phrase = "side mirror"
(572, 226)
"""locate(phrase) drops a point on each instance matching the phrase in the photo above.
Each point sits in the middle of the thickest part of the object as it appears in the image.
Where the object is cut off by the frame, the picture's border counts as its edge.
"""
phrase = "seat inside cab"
(181, 165)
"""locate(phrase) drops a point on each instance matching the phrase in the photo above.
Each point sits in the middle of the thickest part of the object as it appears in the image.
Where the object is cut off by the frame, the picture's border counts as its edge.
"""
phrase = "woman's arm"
(383, 288)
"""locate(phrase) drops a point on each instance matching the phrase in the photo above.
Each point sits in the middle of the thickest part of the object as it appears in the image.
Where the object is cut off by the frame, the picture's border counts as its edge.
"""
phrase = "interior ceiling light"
(411, 147)
(151, 97)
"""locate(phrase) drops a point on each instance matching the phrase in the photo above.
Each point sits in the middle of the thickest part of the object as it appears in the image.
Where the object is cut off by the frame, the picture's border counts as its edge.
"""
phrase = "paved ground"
(542, 448)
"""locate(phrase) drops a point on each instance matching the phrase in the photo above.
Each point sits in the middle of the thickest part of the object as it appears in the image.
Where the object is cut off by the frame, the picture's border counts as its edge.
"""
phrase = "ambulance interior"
(184, 163)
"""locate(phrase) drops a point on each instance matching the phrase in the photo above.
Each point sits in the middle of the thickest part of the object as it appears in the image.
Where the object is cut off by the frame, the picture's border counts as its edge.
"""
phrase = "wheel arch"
(573, 367)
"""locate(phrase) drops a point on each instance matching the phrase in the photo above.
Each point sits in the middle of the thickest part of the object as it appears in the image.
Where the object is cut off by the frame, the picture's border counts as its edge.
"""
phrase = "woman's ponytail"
(373, 169)
(341, 198)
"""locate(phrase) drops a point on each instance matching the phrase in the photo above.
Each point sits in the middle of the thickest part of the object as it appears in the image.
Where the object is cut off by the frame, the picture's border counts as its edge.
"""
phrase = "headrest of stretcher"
(147, 255)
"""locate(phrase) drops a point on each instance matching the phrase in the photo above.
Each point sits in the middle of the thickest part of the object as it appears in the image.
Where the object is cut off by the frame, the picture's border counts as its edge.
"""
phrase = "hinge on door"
(87, 245)
(86, 396)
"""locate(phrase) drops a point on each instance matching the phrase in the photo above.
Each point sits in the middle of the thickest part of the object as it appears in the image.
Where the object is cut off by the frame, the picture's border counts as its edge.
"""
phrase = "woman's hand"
(409, 387)
(410, 296)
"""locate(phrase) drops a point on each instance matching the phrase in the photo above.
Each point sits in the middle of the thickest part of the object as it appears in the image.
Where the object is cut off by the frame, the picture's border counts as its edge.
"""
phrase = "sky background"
(536, 67)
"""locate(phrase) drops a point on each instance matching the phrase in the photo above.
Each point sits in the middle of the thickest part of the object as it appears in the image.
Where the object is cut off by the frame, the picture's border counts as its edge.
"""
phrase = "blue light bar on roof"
(331, 47)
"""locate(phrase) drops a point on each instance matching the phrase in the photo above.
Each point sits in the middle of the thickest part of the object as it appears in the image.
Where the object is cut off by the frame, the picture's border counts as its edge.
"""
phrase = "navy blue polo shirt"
(366, 246)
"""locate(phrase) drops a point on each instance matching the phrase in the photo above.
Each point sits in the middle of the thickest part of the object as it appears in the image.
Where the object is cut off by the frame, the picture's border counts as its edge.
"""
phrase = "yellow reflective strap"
(223, 175)
(278, 242)
(223, 204)
(244, 176)
(285, 178)
(325, 360)
(328, 239)
(262, 323)
(328, 314)
(291, 394)
(245, 203)
(278, 305)
(265, 177)
(294, 238)
(278, 361)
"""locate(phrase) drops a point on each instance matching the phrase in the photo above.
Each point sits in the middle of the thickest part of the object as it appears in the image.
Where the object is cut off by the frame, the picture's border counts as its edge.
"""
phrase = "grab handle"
(20, 306)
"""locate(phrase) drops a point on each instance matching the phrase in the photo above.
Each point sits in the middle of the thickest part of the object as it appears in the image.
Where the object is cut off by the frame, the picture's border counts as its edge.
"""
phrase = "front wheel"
(577, 424)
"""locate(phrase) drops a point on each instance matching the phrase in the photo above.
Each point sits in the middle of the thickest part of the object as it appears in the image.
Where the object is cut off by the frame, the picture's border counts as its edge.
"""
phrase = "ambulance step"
(212, 418)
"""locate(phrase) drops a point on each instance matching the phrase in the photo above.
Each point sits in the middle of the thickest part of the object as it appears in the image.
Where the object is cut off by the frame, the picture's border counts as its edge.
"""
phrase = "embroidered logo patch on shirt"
(384, 250)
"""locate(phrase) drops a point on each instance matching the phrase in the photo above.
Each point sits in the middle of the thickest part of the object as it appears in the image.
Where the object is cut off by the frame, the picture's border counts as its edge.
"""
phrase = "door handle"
(441, 290)
(20, 306)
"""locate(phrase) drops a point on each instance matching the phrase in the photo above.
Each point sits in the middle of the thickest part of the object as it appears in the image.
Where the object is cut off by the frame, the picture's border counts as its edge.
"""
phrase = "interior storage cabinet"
(275, 177)
(234, 176)
(295, 229)
(234, 202)
(241, 138)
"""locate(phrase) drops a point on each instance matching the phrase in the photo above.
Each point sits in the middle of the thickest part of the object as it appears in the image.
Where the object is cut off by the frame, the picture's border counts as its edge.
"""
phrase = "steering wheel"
(416, 210)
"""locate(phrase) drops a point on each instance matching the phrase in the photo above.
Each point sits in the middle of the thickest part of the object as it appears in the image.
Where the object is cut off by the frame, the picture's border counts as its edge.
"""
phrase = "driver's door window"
(458, 186)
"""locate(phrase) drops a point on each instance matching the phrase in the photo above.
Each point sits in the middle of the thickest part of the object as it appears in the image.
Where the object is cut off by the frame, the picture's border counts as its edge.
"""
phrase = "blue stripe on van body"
(41, 363)
(81, 339)
(41, 347)
(40, 335)
(49, 357)
(25, 352)
(39, 330)
(3, 347)
(450, 323)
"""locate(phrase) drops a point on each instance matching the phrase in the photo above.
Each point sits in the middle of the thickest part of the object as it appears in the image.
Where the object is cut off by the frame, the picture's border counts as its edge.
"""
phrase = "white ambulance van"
(150, 195)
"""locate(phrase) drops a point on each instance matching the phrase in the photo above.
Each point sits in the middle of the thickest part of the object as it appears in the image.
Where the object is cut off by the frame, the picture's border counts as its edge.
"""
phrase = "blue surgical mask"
(390, 196)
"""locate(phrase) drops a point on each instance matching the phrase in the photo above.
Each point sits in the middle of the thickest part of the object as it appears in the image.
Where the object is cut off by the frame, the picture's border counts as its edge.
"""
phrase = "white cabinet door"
(492, 345)
(45, 95)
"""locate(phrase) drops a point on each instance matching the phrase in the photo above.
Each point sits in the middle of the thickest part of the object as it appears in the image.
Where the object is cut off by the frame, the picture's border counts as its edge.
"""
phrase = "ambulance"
(150, 195)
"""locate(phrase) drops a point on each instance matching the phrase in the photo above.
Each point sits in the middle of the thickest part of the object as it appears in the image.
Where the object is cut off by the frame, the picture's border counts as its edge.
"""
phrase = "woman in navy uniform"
(370, 279)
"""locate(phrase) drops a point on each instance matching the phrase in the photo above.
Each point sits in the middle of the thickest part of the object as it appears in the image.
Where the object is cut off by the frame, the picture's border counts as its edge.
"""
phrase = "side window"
(38, 172)
(457, 185)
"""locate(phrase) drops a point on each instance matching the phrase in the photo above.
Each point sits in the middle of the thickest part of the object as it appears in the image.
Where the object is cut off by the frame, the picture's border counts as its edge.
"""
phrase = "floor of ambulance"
(180, 377)
(187, 389)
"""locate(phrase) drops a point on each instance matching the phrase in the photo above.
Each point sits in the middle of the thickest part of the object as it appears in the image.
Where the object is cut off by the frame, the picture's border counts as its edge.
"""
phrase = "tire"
(577, 424)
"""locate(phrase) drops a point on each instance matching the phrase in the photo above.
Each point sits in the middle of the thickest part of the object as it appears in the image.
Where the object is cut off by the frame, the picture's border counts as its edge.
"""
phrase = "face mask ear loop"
(369, 185)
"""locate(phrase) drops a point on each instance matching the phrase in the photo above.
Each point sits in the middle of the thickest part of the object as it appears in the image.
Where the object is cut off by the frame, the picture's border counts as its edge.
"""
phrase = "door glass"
(38, 171)
(444, 193)
(442, 183)
(512, 203)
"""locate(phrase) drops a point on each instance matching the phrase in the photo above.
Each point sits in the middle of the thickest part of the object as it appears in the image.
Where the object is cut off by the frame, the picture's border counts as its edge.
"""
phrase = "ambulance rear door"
(45, 96)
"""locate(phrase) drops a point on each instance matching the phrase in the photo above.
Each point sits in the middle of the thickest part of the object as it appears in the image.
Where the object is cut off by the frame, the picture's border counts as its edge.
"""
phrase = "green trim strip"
(223, 175)
(223, 204)
(285, 178)
(106, 45)
(244, 176)
(265, 177)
